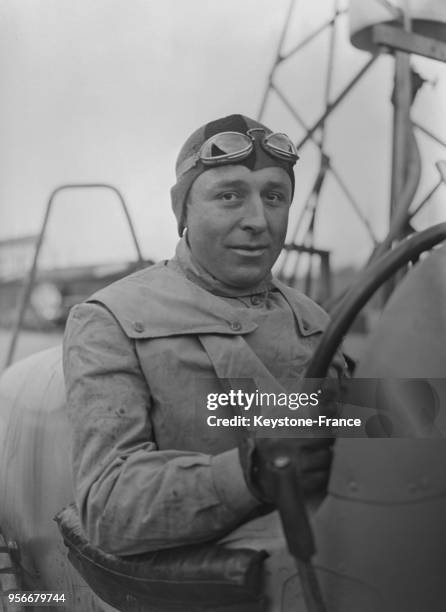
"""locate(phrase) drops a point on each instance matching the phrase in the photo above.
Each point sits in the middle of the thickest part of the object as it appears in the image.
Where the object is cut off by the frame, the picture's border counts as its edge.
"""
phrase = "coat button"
(138, 327)
(256, 300)
(236, 326)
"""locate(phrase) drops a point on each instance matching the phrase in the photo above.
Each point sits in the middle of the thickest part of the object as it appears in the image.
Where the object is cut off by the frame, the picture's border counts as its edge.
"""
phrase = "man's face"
(237, 220)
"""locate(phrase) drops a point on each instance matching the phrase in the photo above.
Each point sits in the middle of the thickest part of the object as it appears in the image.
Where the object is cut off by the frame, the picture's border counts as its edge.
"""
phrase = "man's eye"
(229, 196)
(275, 196)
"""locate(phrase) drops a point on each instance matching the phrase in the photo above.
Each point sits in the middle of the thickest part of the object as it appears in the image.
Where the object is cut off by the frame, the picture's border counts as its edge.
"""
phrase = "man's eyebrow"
(277, 185)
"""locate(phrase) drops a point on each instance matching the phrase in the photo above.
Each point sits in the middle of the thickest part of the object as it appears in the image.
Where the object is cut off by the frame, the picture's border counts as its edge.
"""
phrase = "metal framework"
(401, 43)
(30, 280)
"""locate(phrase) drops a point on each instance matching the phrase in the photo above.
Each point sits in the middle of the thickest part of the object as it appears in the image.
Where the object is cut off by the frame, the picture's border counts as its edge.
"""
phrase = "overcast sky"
(108, 90)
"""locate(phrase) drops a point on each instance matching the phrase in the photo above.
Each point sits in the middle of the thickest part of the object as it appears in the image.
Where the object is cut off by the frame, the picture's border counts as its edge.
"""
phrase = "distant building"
(55, 290)
(16, 256)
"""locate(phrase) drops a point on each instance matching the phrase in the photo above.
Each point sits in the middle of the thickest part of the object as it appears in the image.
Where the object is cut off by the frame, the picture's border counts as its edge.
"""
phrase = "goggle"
(230, 147)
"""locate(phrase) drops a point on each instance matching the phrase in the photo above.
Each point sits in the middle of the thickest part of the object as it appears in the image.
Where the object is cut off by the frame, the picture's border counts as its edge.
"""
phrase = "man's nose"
(254, 219)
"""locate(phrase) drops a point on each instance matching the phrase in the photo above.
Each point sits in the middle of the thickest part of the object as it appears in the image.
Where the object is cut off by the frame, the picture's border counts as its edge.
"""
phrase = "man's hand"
(311, 459)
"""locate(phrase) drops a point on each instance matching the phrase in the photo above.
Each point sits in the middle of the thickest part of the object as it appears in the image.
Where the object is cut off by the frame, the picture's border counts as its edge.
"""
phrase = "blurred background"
(106, 92)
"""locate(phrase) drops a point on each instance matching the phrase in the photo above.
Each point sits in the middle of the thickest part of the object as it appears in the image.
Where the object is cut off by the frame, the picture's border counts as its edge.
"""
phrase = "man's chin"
(246, 280)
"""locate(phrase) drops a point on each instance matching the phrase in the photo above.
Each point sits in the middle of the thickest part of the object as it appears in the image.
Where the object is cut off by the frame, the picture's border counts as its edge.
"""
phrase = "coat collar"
(160, 301)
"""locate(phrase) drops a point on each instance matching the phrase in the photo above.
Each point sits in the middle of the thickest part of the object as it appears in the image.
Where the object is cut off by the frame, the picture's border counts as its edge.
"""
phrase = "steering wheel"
(343, 316)
(377, 274)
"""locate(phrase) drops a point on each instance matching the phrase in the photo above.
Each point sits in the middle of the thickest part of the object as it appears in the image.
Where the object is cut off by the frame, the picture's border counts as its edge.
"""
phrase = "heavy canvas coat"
(140, 358)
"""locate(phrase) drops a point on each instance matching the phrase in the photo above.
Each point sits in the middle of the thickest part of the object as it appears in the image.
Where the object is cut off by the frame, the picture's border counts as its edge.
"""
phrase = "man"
(142, 356)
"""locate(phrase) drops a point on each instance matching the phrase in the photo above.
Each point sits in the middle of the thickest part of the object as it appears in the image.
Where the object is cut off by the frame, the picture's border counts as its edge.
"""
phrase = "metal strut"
(312, 203)
(30, 280)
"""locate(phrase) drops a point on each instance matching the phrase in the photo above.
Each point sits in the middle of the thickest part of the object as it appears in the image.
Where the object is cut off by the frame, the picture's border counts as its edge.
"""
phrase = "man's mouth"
(251, 250)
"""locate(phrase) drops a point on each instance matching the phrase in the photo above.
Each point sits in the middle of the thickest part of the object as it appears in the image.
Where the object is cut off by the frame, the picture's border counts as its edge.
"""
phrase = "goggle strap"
(188, 164)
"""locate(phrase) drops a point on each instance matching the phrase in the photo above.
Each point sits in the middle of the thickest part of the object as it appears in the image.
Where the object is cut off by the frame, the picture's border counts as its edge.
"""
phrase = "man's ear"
(187, 204)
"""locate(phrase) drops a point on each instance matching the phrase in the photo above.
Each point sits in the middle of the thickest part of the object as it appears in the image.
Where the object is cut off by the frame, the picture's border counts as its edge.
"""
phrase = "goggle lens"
(226, 146)
(281, 145)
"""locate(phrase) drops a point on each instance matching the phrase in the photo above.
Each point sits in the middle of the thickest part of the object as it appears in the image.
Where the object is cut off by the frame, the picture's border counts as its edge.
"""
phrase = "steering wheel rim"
(354, 300)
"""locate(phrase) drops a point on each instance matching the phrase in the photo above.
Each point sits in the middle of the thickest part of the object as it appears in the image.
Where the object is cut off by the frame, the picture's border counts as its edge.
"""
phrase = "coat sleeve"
(133, 497)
